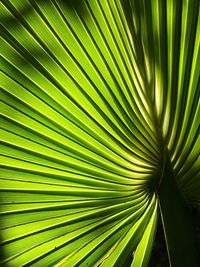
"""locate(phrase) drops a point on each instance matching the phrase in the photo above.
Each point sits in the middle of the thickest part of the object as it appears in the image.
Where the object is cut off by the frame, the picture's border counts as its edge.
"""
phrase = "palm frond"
(95, 95)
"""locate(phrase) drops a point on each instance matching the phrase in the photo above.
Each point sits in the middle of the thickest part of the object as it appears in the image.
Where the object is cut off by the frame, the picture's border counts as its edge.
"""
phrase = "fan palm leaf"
(99, 131)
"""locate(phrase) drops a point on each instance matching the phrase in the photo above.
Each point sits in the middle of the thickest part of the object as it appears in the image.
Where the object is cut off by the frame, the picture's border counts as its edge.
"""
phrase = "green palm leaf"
(99, 127)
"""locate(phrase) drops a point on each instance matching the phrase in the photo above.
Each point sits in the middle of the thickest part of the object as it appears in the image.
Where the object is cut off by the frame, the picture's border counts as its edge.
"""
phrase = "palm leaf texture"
(99, 116)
